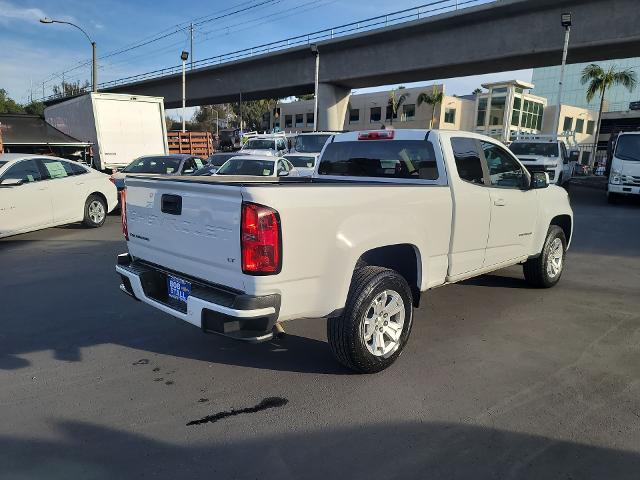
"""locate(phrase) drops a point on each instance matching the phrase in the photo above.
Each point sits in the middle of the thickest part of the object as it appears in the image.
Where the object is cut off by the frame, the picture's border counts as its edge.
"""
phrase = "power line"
(236, 9)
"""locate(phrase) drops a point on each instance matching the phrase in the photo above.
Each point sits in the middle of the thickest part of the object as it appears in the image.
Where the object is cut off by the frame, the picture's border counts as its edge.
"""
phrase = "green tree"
(8, 105)
(309, 96)
(68, 89)
(599, 81)
(35, 108)
(434, 99)
(396, 99)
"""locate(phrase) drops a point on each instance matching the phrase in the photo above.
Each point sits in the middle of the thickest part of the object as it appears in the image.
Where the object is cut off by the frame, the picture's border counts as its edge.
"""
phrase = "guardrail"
(395, 18)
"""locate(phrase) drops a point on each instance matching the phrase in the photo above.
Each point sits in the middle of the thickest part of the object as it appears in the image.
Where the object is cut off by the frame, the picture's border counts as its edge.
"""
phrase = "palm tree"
(476, 91)
(434, 98)
(599, 81)
(396, 100)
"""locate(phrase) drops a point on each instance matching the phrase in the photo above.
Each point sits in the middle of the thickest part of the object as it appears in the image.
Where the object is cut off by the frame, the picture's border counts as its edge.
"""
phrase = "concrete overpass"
(506, 35)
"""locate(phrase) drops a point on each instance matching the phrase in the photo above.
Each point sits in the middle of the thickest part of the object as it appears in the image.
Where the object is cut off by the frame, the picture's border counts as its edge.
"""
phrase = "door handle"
(79, 183)
(499, 202)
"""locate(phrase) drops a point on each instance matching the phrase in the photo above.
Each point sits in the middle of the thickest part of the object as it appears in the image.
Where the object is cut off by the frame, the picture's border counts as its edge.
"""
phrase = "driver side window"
(504, 170)
(26, 170)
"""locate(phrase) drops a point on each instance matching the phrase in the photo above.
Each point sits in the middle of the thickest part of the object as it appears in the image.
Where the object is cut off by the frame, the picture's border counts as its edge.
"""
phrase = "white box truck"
(121, 127)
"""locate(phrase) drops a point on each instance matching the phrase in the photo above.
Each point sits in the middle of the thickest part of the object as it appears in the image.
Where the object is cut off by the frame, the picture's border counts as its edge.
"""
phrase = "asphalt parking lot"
(498, 380)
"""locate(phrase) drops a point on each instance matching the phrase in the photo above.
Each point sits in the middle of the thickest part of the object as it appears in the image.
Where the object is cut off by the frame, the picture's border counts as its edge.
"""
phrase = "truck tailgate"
(189, 228)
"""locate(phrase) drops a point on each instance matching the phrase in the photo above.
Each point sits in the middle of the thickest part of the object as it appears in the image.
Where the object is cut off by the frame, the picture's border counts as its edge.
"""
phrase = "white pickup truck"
(550, 154)
(387, 216)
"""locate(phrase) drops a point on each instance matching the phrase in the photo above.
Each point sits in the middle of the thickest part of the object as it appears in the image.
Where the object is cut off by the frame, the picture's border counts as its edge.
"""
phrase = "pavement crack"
(265, 404)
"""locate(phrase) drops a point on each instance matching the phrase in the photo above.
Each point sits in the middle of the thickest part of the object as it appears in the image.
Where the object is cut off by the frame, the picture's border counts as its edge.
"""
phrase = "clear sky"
(33, 52)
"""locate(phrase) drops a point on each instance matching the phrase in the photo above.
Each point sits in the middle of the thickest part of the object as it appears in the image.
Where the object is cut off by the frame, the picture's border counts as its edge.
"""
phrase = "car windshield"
(245, 166)
(310, 143)
(161, 165)
(628, 148)
(534, 148)
(218, 159)
(301, 162)
(260, 144)
(411, 159)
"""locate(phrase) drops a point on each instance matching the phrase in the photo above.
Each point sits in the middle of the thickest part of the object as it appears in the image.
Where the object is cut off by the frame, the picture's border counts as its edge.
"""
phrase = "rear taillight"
(123, 213)
(260, 240)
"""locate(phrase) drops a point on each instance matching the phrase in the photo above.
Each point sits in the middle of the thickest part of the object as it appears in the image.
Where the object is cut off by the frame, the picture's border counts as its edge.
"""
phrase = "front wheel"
(545, 270)
(375, 324)
(95, 212)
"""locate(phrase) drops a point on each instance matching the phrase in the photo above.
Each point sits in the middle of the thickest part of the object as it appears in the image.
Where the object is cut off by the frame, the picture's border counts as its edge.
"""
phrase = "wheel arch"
(404, 258)
(101, 195)
(565, 222)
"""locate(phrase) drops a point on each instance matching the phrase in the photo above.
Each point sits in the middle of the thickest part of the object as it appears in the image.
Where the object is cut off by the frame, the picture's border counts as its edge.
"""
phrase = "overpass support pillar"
(332, 106)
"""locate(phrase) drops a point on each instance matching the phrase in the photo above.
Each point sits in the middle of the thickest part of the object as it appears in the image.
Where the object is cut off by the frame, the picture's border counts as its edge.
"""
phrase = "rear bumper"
(209, 307)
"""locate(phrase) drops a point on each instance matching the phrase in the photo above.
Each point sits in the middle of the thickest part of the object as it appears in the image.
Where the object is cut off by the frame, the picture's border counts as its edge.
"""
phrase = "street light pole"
(183, 56)
(566, 23)
(94, 64)
(314, 49)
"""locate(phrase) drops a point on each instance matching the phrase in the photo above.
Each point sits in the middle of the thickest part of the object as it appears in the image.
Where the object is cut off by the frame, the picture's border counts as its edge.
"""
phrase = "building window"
(288, 121)
(499, 91)
(482, 112)
(408, 112)
(590, 126)
(568, 124)
(299, 120)
(376, 114)
(310, 119)
(450, 115)
(579, 125)
(496, 116)
(354, 115)
(390, 112)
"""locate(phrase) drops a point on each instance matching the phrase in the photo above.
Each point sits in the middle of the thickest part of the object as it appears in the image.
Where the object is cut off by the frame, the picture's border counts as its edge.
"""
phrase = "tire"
(545, 270)
(373, 298)
(95, 211)
(613, 198)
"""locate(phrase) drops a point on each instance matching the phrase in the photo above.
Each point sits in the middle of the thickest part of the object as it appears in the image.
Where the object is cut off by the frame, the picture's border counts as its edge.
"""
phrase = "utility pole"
(241, 112)
(566, 23)
(42, 90)
(314, 49)
(183, 57)
(191, 48)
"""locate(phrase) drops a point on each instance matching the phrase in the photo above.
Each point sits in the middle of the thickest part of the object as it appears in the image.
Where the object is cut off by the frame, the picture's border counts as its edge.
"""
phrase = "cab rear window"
(407, 159)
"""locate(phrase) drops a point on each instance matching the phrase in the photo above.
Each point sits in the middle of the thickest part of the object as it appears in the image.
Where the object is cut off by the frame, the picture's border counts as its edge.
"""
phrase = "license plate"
(178, 288)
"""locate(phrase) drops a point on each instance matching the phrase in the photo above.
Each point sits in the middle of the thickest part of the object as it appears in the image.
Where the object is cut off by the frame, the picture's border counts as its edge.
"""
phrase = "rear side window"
(77, 169)
(408, 159)
(56, 168)
(25, 170)
(468, 163)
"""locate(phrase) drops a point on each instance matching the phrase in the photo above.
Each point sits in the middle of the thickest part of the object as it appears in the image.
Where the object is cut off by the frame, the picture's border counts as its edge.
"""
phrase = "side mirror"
(283, 173)
(539, 180)
(11, 182)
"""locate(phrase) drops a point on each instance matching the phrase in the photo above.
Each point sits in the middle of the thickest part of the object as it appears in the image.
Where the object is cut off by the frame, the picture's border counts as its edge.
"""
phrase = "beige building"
(368, 111)
(573, 120)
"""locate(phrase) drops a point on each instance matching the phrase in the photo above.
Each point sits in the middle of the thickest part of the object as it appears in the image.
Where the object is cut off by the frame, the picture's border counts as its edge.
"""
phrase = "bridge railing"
(395, 18)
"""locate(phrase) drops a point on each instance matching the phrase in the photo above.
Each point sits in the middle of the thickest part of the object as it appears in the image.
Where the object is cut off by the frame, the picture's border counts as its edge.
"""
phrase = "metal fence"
(395, 18)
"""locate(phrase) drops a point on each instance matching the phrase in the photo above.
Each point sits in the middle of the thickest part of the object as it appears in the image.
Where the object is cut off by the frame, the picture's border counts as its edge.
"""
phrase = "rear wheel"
(95, 212)
(545, 270)
(375, 324)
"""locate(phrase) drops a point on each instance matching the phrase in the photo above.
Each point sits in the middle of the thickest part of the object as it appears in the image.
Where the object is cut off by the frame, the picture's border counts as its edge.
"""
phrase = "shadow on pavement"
(395, 450)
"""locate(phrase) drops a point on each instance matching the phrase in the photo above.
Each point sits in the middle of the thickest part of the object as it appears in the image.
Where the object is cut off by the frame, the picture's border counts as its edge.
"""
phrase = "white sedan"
(37, 192)
(258, 166)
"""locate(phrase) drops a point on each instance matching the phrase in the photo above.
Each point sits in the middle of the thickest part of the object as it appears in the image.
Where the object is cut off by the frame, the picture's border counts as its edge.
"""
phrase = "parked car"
(271, 145)
(258, 166)
(311, 142)
(215, 161)
(39, 192)
(387, 216)
(303, 162)
(177, 164)
(549, 155)
(624, 178)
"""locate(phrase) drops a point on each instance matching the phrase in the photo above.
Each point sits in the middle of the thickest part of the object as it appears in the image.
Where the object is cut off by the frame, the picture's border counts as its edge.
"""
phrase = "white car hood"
(538, 160)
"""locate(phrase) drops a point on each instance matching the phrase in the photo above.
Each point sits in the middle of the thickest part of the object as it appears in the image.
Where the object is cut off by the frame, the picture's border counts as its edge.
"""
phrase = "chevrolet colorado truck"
(387, 216)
